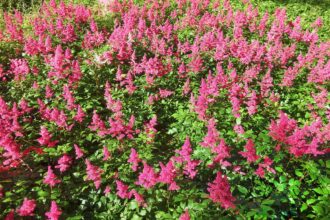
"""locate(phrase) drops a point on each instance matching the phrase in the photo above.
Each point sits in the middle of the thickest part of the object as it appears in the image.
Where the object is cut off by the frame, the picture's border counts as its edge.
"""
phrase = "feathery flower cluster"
(219, 191)
(122, 190)
(250, 153)
(185, 215)
(45, 139)
(185, 158)
(54, 212)
(134, 159)
(51, 178)
(27, 208)
(167, 175)
(20, 68)
(147, 178)
(93, 173)
(64, 163)
(78, 151)
(300, 141)
(265, 165)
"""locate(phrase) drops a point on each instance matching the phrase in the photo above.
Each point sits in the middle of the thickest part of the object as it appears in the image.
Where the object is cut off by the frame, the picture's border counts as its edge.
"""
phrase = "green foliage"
(308, 10)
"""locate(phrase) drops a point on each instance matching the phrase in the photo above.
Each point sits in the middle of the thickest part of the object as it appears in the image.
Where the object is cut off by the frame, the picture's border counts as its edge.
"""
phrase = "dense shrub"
(22, 5)
(148, 110)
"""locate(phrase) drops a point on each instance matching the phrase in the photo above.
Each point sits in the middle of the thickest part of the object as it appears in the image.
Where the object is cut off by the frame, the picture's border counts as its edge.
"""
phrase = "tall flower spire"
(51, 178)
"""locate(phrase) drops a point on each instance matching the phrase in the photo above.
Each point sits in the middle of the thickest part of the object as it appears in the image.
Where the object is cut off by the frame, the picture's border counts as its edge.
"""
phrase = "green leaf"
(328, 163)
(303, 207)
(293, 182)
(265, 208)
(281, 187)
(136, 217)
(242, 189)
(279, 169)
(268, 202)
(282, 179)
(78, 217)
(143, 212)
(299, 173)
(310, 201)
(319, 191)
(42, 193)
(251, 213)
(7, 200)
(318, 209)
(133, 205)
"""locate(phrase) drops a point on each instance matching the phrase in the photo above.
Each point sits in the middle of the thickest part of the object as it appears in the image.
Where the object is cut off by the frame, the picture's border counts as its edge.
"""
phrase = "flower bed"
(186, 109)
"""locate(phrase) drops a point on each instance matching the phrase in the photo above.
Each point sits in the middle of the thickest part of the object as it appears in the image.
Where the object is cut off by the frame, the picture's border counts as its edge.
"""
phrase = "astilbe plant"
(172, 109)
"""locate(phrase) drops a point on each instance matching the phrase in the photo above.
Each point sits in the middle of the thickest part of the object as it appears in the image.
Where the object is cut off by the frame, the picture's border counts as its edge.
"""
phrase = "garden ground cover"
(165, 110)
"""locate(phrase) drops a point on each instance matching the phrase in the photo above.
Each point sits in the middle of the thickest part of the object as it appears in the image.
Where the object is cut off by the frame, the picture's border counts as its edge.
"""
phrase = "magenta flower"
(147, 178)
(186, 87)
(68, 34)
(239, 129)
(235, 100)
(167, 175)
(64, 163)
(97, 123)
(190, 168)
(67, 95)
(212, 136)
(185, 150)
(279, 130)
(150, 129)
(250, 153)
(106, 153)
(202, 102)
(58, 59)
(10, 215)
(78, 151)
(113, 105)
(49, 92)
(24, 105)
(134, 159)
(265, 165)
(260, 171)
(27, 207)
(219, 191)
(51, 178)
(321, 99)
(189, 165)
(122, 190)
(164, 93)
(252, 103)
(185, 215)
(54, 212)
(93, 173)
(138, 197)
(80, 115)
(45, 139)
(48, 44)
(107, 190)
(222, 152)
(20, 68)
(76, 72)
